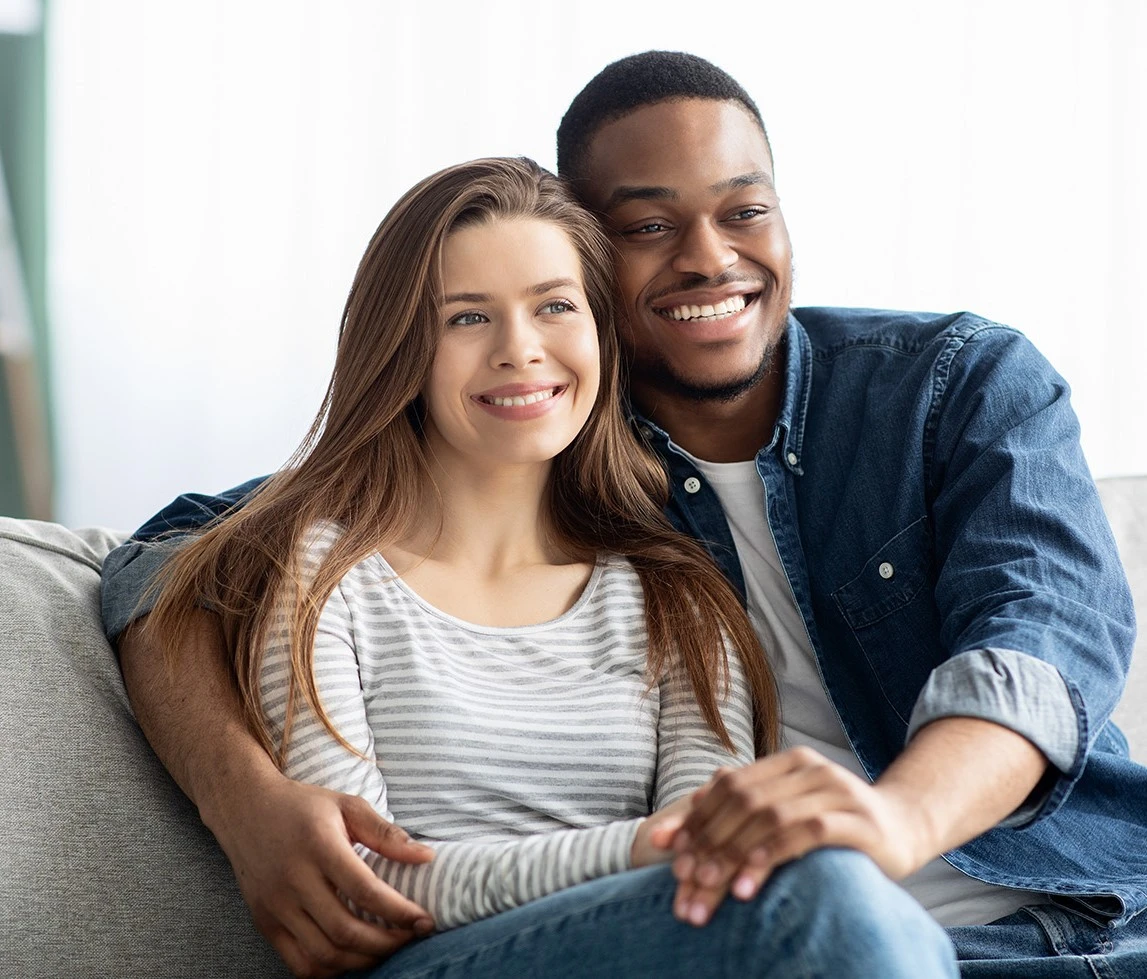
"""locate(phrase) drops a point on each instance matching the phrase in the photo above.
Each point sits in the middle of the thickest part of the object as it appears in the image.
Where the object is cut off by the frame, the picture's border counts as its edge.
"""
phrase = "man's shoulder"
(836, 329)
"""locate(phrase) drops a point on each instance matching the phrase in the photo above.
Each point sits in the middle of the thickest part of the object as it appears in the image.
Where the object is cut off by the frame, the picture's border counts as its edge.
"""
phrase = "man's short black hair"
(637, 81)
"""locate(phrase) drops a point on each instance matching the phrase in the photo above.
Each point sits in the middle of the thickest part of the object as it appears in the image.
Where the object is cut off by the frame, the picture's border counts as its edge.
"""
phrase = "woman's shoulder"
(316, 543)
(616, 584)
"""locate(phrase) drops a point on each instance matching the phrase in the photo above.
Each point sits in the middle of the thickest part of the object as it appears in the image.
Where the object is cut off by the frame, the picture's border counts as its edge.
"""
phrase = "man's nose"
(704, 251)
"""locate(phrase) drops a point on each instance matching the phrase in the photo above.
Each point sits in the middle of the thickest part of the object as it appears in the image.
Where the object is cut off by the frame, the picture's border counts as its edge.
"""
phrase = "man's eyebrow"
(625, 193)
(743, 180)
(540, 289)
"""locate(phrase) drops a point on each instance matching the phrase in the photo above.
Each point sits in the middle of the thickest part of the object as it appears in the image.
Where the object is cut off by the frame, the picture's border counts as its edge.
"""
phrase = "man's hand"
(292, 855)
(958, 777)
(289, 844)
(748, 821)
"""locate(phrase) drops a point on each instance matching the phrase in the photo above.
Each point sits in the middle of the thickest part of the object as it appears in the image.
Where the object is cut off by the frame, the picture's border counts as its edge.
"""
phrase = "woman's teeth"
(726, 308)
(521, 400)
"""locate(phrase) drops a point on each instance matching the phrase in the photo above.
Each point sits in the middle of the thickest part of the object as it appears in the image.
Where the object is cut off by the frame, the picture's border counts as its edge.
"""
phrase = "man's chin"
(670, 380)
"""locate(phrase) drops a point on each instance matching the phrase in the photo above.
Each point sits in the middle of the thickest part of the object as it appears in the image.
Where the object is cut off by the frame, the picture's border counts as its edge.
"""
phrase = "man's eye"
(558, 306)
(652, 228)
(467, 319)
(747, 213)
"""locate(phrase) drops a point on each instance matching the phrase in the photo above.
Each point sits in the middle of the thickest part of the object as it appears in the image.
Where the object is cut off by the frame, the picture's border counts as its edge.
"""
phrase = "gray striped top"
(526, 757)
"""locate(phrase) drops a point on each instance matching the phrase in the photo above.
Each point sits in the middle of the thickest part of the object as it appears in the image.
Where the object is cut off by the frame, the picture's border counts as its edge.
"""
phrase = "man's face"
(705, 263)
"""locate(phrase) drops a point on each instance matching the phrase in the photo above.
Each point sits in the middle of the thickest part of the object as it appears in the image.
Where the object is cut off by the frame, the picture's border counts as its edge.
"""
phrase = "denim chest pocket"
(890, 579)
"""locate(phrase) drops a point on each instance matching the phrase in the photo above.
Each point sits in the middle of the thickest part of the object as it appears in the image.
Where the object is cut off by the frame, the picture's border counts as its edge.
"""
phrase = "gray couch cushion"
(105, 868)
(1125, 501)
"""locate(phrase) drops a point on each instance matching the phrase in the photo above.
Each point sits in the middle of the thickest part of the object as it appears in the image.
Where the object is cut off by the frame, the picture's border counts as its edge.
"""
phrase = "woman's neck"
(486, 518)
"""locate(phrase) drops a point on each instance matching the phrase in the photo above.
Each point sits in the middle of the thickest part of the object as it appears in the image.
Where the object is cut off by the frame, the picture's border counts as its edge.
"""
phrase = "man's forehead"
(692, 144)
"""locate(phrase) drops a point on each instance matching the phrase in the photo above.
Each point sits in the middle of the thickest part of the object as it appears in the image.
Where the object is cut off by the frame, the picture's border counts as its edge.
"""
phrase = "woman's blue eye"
(467, 319)
(559, 306)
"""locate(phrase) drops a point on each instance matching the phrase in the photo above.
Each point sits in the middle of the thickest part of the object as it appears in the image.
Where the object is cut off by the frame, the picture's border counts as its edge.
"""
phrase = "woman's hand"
(654, 840)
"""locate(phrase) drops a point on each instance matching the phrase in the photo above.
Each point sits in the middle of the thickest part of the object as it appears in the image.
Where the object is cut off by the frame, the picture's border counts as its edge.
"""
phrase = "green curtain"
(22, 146)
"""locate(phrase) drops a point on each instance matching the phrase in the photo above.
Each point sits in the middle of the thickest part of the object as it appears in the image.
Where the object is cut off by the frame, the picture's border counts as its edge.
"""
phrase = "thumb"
(662, 832)
(367, 827)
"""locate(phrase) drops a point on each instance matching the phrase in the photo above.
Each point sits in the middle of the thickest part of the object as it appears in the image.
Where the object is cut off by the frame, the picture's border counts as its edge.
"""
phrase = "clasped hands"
(732, 833)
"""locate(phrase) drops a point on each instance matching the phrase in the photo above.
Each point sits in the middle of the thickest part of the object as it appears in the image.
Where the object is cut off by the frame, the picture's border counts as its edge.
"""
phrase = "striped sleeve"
(688, 752)
(465, 881)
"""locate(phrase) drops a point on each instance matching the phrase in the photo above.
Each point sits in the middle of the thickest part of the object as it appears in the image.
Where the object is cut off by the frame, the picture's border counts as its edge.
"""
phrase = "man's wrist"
(910, 824)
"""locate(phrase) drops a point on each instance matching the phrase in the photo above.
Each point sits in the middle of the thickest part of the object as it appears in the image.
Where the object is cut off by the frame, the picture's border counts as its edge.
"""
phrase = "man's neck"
(717, 431)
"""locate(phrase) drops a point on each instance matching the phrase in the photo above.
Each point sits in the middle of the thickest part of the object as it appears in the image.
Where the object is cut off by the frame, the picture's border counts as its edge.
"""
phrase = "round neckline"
(392, 577)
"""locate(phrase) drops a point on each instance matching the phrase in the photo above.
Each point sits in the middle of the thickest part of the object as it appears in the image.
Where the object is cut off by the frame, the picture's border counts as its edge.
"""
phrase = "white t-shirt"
(808, 716)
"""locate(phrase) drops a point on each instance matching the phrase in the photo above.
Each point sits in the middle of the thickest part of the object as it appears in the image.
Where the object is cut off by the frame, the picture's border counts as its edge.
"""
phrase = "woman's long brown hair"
(363, 466)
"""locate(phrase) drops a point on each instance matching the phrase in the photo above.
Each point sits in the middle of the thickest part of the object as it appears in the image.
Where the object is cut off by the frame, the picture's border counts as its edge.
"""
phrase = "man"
(901, 499)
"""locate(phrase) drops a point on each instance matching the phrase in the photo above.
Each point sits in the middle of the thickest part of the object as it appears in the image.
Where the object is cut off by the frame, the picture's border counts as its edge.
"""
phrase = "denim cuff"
(1015, 690)
(127, 572)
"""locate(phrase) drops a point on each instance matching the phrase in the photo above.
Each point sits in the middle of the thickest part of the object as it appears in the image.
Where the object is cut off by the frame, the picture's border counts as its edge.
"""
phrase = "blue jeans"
(1047, 942)
(828, 915)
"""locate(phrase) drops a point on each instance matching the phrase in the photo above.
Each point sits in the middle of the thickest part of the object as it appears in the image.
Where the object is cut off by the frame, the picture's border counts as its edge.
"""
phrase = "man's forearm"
(190, 713)
(959, 777)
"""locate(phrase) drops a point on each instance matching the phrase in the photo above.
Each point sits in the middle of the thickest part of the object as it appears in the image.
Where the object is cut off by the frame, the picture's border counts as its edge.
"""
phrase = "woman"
(461, 599)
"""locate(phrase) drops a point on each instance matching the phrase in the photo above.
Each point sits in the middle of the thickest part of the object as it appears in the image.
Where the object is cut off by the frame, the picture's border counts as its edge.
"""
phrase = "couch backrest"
(105, 868)
(1125, 502)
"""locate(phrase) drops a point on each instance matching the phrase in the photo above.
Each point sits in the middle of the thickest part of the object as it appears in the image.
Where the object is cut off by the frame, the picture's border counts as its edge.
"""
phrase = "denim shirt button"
(886, 570)
(793, 459)
(692, 484)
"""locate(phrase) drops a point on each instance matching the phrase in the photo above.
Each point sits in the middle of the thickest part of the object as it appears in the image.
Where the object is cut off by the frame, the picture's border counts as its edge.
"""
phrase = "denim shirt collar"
(788, 432)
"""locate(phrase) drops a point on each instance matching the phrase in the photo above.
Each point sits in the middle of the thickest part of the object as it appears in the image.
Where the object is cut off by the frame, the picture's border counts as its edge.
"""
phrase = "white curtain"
(217, 167)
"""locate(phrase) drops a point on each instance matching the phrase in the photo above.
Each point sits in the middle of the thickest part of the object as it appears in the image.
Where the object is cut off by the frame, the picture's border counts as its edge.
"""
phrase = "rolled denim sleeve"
(127, 574)
(129, 570)
(1017, 691)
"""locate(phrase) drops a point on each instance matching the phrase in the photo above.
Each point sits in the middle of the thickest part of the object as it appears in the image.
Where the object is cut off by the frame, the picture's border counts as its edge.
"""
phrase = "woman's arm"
(466, 881)
(469, 881)
(688, 752)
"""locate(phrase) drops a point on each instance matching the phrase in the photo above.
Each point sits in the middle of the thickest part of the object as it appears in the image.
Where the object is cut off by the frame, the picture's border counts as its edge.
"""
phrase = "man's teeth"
(522, 400)
(726, 308)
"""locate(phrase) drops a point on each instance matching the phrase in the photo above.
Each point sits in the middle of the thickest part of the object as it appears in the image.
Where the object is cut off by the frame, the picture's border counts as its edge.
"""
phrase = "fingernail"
(698, 914)
(744, 888)
(423, 926)
(682, 841)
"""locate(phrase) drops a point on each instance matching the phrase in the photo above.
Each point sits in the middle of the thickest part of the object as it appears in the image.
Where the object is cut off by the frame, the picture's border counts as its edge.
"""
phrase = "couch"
(105, 868)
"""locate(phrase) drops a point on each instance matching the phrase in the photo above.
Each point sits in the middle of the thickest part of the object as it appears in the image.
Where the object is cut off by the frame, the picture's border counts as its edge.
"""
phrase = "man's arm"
(957, 778)
(191, 717)
(290, 845)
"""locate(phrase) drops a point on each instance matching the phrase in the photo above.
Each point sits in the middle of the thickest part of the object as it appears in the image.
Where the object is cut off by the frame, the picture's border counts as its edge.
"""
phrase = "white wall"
(217, 168)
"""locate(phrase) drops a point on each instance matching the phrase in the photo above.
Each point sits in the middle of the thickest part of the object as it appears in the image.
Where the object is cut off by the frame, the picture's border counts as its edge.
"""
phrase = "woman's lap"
(623, 926)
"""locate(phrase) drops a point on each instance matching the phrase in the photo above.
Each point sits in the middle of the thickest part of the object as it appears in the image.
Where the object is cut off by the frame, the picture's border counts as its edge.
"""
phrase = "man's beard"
(658, 375)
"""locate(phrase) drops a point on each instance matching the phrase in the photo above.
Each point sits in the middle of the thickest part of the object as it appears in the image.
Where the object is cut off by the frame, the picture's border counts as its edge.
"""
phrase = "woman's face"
(517, 371)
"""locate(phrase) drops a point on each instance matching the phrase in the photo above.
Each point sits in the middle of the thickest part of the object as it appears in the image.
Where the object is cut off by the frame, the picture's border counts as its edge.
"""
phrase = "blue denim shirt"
(947, 549)
(946, 546)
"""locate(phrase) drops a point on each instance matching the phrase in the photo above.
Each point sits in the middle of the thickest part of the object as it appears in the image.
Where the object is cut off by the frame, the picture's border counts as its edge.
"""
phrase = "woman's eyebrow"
(536, 290)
